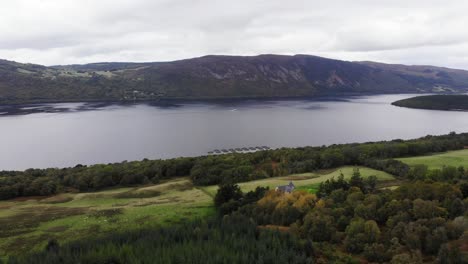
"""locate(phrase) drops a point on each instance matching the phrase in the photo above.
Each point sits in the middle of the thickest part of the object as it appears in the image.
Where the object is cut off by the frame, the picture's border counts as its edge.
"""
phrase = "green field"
(307, 181)
(437, 161)
(29, 223)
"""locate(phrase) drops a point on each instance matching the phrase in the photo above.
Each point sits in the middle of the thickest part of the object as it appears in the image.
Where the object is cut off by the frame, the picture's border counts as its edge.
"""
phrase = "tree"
(376, 253)
(227, 192)
(359, 233)
(371, 231)
(319, 226)
(449, 255)
(418, 172)
(427, 209)
(370, 183)
(457, 208)
(355, 238)
(52, 246)
(435, 240)
(406, 258)
(464, 189)
(356, 179)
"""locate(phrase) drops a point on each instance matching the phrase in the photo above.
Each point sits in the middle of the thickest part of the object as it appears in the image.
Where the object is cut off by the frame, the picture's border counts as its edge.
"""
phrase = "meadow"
(307, 181)
(29, 223)
(436, 161)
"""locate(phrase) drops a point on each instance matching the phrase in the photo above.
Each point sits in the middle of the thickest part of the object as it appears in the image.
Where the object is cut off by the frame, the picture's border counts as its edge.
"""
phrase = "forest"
(228, 168)
(436, 102)
(424, 220)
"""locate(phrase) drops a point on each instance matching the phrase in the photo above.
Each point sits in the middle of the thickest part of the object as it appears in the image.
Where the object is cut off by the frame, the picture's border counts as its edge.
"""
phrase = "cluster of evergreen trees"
(229, 239)
(218, 169)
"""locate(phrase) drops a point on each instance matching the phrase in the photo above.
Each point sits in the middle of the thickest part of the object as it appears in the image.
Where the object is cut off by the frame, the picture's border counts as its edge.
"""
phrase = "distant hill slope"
(212, 77)
(436, 102)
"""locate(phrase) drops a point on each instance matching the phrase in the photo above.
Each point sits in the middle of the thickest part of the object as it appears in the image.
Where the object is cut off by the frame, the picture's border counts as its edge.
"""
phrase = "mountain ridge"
(220, 76)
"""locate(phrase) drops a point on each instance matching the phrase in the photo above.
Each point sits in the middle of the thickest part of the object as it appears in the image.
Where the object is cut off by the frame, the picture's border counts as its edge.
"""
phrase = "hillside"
(436, 102)
(211, 77)
(353, 203)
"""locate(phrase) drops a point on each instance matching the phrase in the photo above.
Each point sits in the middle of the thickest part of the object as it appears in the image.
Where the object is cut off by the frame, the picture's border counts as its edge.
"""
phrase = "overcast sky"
(81, 31)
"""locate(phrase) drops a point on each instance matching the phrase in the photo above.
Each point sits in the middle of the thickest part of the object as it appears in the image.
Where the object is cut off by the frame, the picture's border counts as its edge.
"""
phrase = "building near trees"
(286, 188)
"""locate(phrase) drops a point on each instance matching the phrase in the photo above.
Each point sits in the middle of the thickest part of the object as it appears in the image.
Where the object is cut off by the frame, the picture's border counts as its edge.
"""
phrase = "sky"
(51, 32)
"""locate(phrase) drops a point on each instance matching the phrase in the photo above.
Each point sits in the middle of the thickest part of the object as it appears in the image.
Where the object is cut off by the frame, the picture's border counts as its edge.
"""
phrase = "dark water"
(58, 135)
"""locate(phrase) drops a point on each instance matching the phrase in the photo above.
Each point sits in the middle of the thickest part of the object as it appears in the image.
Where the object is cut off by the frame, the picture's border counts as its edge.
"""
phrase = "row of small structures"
(238, 150)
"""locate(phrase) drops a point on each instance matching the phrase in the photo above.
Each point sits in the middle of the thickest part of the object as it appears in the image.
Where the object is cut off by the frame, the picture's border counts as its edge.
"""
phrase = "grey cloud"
(81, 31)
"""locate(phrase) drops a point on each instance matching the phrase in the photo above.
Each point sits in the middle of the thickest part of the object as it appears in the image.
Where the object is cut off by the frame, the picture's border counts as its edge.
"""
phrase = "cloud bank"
(54, 32)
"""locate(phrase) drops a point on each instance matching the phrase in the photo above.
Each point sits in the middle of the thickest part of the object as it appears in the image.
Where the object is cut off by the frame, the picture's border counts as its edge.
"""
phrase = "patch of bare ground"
(106, 213)
(161, 201)
(57, 229)
(138, 194)
(299, 177)
(29, 198)
(30, 218)
(24, 245)
(61, 198)
(275, 227)
(5, 207)
(386, 184)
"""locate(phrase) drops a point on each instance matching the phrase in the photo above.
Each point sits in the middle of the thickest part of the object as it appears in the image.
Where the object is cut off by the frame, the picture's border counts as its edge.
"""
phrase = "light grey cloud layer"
(82, 31)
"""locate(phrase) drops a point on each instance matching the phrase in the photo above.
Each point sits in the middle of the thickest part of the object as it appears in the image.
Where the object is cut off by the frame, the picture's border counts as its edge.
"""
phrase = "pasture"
(307, 181)
(28, 223)
(437, 161)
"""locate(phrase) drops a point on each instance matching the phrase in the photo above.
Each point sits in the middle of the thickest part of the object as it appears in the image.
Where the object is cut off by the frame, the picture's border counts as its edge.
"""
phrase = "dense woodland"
(436, 102)
(422, 221)
(229, 168)
(232, 239)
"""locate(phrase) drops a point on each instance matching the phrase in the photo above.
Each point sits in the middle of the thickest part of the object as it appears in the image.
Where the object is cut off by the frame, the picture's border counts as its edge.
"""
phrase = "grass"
(437, 161)
(306, 181)
(28, 225)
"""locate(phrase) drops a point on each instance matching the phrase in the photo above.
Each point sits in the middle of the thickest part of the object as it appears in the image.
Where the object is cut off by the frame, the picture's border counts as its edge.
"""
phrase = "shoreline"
(317, 97)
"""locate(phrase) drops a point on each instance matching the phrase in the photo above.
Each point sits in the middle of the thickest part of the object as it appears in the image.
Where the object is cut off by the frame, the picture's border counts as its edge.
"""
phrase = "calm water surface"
(88, 134)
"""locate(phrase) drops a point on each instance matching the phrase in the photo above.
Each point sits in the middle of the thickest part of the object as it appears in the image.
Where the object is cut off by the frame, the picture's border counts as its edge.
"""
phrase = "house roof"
(287, 188)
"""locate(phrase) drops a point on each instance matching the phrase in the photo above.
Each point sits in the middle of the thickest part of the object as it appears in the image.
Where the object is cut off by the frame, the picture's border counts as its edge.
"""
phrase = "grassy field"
(306, 181)
(28, 224)
(437, 161)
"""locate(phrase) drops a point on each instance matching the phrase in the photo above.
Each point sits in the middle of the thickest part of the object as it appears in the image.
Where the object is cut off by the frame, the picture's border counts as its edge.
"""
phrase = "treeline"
(229, 168)
(422, 221)
(378, 155)
(435, 102)
(418, 222)
(81, 178)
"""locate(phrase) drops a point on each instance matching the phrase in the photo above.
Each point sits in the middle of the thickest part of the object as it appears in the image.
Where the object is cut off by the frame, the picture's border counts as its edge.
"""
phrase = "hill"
(214, 77)
(436, 102)
(72, 216)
